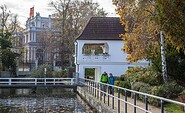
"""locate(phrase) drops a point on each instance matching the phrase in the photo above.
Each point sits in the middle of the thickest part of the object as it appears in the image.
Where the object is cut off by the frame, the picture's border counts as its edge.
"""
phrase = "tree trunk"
(164, 70)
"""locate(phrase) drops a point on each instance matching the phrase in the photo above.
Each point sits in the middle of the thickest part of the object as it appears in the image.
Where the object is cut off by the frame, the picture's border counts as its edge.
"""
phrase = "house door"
(92, 73)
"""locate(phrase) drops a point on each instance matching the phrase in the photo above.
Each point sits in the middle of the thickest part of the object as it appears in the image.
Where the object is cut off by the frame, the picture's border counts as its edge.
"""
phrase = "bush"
(141, 87)
(145, 89)
(39, 73)
(169, 90)
(59, 74)
(140, 74)
(123, 84)
(181, 98)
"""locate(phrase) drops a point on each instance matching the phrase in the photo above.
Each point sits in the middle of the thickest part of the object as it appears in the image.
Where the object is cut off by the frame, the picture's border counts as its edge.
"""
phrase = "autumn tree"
(143, 23)
(71, 16)
(171, 18)
(7, 27)
(141, 39)
(143, 34)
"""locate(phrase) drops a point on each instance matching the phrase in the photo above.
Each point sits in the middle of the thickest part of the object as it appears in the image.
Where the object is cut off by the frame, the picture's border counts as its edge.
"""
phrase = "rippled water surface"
(41, 101)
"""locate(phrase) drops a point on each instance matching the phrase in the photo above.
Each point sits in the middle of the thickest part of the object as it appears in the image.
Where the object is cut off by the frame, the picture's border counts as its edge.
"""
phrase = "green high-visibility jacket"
(104, 79)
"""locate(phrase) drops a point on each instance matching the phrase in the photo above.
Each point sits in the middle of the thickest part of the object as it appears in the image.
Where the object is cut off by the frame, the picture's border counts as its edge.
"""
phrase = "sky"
(22, 8)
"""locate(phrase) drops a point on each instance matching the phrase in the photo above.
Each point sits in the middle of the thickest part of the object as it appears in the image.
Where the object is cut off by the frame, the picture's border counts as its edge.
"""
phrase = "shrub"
(181, 98)
(169, 90)
(39, 73)
(123, 84)
(141, 87)
(59, 74)
(140, 74)
(145, 89)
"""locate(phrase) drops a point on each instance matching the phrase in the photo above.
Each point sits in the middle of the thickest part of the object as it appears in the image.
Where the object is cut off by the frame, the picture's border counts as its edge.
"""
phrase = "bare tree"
(71, 17)
(8, 20)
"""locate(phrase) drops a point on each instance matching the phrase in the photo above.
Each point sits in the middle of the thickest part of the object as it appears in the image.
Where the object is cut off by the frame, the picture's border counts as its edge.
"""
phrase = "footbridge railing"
(126, 100)
(35, 83)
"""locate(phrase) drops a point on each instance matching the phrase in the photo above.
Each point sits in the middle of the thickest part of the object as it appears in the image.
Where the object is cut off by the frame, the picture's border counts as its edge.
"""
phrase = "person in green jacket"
(104, 79)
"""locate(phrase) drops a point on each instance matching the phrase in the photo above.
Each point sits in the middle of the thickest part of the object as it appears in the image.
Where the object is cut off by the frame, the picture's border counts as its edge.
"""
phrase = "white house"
(99, 47)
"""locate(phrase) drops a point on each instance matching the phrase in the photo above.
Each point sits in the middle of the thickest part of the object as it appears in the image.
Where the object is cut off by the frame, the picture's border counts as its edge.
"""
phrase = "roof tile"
(102, 28)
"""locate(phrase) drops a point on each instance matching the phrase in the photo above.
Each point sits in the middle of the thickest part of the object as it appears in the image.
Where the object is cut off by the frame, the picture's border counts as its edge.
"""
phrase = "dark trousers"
(111, 89)
(103, 88)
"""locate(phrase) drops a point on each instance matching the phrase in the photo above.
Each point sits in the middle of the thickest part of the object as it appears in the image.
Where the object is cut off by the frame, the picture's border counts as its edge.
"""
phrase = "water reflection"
(43, 101)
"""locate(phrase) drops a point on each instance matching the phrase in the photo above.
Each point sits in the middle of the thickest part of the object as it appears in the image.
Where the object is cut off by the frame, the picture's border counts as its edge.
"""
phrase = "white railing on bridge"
(36, 81)
(94, 88)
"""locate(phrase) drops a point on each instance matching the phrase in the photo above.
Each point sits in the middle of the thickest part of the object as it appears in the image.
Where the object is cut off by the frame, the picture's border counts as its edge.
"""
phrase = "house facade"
(99, 47)
(41, 42)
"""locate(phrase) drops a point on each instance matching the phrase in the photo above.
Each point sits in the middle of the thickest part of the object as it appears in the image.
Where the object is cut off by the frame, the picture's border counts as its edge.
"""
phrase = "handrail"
(36, 81)
(141, 93)
(92, 85)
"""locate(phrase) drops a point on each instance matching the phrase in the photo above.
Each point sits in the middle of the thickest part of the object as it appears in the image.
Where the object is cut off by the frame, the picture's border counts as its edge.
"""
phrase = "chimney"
(31, 12)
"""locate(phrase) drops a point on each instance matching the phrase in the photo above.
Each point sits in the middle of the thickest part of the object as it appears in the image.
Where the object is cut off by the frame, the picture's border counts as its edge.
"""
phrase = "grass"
(173, 108)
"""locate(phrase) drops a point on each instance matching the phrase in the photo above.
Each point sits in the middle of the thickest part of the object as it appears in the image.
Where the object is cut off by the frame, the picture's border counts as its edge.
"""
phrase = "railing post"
(77, 78)
(44, 81)
(54, 81)
(125, 101)
(118, 100)
(113, 98)
(35, 81)
(104, 92)
(162, 107)
(108, 96)
(95, 89)
(71, 82)
(10, 81)
(134, 102)
(146, 103)
(90, 86)
(101, 93)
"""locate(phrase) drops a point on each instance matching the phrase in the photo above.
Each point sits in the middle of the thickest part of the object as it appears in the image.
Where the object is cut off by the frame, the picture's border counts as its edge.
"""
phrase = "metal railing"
(36, 81)
(94, 88)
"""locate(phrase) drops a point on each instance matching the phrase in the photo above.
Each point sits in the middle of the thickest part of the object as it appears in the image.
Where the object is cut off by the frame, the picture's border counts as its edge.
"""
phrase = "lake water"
(41, 101)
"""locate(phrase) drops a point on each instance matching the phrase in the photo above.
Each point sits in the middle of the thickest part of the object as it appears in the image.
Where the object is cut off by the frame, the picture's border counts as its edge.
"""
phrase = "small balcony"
(95, 52)
(96, 58)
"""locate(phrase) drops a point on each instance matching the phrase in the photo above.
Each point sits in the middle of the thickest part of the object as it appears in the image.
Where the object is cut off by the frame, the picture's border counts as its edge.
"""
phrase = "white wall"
(114, 49)
(117, 65)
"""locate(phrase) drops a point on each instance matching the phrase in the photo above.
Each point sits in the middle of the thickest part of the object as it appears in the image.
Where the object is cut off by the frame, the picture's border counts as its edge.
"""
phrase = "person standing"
(111, 82)
(104, 79)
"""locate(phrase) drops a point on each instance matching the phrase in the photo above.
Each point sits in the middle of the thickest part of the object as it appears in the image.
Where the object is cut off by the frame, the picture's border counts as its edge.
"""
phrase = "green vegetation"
(40, 72)
(173, 108)
(148, 80)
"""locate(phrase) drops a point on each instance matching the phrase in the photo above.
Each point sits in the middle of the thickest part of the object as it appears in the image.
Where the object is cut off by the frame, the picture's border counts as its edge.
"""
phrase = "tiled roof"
(102, 28)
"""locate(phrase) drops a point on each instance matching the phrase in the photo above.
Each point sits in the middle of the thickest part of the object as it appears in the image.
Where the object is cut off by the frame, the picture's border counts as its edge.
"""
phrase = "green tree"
(171, 18)
(7, 27)
(8, 57)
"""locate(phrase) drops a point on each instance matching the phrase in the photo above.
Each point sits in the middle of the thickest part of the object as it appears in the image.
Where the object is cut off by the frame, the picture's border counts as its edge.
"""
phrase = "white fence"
(36, 81)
